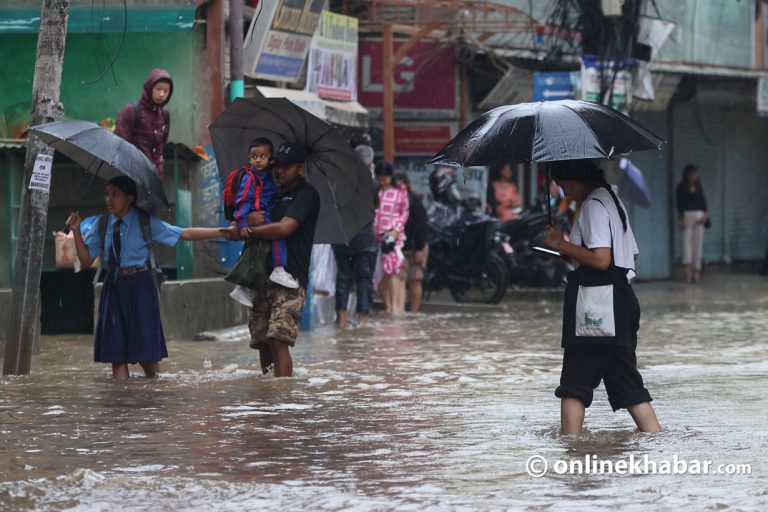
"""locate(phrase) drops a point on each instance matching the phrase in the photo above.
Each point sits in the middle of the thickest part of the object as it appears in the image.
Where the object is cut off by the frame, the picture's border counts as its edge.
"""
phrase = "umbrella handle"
(85, 192)
(549, 198)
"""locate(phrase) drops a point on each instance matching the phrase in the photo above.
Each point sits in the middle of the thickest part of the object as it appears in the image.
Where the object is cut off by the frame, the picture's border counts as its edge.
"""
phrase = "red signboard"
(421, 139)
(424, 80)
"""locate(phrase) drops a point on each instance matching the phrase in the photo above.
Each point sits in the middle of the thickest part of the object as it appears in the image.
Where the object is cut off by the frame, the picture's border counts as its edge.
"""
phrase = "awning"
(346, 113)
(12, 143)
(342, 113)
(84, 20)
(306, 100)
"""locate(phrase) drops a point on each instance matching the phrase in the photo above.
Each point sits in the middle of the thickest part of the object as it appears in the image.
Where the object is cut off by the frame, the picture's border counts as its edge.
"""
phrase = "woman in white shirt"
(602, 224)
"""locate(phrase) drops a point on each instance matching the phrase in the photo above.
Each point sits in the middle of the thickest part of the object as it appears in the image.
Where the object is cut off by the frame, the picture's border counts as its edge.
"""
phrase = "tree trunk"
(34, 210)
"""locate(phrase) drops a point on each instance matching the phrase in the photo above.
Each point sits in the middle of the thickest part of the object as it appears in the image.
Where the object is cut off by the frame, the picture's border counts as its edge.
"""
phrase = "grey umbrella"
(102, 153)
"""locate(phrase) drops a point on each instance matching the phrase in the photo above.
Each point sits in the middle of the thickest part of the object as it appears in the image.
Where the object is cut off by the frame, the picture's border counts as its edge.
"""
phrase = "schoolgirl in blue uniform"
(128, 329)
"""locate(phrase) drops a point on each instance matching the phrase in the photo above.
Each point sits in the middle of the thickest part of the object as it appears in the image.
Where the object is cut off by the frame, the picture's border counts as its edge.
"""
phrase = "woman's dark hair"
(383, 168)
(585, 171)
(687, 171)
(261, 142)
(401, 177)
(125, 185)
(495, 172)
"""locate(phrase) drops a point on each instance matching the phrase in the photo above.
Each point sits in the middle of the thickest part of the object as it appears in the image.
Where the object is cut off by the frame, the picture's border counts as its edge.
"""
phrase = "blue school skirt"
(128, 329)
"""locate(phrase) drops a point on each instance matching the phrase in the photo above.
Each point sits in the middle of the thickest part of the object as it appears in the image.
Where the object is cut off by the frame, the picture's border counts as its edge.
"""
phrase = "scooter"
(466, 254)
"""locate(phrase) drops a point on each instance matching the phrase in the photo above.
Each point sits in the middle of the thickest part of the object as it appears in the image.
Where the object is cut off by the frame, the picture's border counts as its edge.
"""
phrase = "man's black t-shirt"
(301, 203)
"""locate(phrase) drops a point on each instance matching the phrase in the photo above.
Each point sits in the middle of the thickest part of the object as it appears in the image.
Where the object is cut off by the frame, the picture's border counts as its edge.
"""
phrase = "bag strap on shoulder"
(136, 115)
(103, 219)
(146, 233)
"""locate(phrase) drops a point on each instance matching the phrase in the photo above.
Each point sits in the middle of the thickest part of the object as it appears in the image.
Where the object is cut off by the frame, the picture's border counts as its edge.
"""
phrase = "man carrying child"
(274, 319)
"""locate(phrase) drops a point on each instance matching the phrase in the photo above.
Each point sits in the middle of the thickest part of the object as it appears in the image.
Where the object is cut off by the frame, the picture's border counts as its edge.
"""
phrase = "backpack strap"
(136, 116)
(103, 219)
(146, 234)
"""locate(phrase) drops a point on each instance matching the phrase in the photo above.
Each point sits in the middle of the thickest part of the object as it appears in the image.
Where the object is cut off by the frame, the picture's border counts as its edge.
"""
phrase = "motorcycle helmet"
(442, 184)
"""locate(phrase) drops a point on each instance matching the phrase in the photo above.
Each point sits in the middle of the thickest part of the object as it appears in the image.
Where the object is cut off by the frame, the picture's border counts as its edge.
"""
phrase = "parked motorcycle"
(466, 253)
(529, 268)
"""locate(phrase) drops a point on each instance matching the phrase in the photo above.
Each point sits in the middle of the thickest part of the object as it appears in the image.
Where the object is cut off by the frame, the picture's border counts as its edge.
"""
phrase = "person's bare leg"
(151, 368)
(571, 416)
(385, 289)
(362, 319)
(283, 361)
(265, 358)
(415, 291)
(645, 417)
(342, 317)
(397, 286)
(400, 293)
(120, 371)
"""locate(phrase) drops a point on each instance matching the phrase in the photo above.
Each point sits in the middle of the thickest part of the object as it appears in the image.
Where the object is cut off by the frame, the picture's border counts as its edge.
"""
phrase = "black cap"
(290, 153)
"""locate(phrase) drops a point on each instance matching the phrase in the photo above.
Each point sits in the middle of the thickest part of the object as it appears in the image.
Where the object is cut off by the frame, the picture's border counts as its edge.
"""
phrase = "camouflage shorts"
(276, 315)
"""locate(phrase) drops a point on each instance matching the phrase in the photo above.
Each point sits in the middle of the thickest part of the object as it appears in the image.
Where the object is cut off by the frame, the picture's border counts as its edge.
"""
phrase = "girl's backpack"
(232, 187)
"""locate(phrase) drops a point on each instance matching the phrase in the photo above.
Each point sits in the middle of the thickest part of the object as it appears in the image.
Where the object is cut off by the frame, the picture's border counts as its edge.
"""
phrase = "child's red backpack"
(232, 187)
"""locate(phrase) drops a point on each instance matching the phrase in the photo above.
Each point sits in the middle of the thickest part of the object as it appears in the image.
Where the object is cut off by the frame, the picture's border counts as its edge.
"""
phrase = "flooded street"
(427, 412)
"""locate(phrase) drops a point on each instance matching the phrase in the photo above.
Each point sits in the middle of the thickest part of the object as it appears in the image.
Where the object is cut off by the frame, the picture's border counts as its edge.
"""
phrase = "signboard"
(472, 182)
(41, 173)
(279, 38)
(554, 86)
(421, 139)
(332, 65)
(762, 96)
(424, 81)
(590, 82)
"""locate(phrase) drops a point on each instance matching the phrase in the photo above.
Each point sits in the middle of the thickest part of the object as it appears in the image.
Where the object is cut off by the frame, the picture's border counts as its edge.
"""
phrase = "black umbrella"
(546, 131)
(333, 168)
(102, 153)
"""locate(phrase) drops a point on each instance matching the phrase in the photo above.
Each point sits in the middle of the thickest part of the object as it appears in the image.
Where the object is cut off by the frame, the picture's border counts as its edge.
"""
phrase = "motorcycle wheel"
(487, 286)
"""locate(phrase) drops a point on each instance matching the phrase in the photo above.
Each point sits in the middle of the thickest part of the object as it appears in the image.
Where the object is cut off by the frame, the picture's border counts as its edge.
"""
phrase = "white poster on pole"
(41, 174)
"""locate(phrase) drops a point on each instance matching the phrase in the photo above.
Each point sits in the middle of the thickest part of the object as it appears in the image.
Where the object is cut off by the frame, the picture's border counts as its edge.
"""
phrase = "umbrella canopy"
(632, 186)
(546, 131)
(333, 168)
(102, 153)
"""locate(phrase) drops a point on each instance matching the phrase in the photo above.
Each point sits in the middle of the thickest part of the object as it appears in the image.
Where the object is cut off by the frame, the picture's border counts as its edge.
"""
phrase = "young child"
(146, 123)
(128, 329)
(257, 195)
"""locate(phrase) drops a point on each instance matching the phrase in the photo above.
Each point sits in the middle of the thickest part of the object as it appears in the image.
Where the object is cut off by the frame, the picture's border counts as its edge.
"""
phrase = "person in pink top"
(504, 201)
(389, 225)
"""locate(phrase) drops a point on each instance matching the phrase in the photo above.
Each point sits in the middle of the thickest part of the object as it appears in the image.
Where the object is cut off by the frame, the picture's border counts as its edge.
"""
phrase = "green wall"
(87, 54)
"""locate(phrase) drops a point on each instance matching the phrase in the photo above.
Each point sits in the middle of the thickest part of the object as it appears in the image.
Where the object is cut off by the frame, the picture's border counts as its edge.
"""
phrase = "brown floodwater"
(424, 412)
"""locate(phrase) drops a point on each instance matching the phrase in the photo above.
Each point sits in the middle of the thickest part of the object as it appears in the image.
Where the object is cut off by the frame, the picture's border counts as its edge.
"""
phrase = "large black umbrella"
(333, 168)
(546, 131)
(102, 153)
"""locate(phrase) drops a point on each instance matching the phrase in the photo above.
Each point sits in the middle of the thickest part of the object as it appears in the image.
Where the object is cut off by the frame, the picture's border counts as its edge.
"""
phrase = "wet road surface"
(426, 412)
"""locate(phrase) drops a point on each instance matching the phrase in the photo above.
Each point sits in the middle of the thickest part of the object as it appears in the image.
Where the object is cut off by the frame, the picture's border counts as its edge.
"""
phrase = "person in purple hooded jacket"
(146, 123)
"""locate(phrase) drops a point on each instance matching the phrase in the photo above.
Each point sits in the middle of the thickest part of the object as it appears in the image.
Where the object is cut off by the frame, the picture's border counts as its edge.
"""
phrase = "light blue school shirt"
(134, 251)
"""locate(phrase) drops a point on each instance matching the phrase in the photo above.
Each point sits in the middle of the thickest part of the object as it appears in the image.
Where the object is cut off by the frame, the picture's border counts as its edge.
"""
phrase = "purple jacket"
(151, 134)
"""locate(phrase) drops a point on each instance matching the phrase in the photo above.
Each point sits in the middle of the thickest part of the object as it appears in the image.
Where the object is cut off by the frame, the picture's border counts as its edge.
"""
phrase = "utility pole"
(46, 108)
(236, 83)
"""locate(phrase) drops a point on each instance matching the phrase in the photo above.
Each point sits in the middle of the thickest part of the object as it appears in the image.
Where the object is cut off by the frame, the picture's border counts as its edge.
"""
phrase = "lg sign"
(424, 79)
(403, 78)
